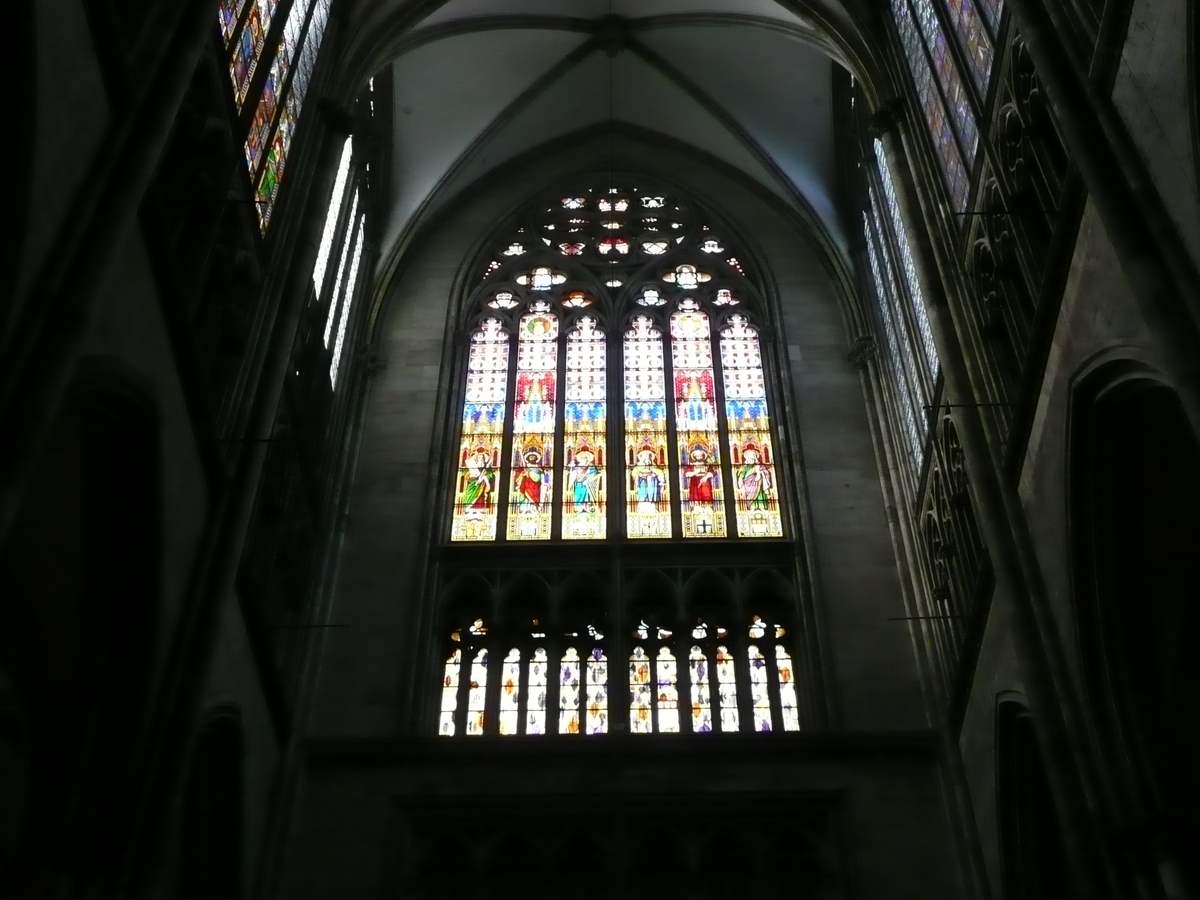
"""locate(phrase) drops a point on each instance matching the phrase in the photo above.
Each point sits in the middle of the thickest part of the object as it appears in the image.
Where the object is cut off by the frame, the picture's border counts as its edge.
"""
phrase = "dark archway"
(20, 75)
(211, 833)
(1135, 489)
(79, 587)
(1032, 853)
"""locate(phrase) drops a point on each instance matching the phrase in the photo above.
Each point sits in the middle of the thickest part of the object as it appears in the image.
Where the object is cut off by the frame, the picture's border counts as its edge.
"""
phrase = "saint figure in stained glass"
(754, 482)
(700, 476)
(585, 481)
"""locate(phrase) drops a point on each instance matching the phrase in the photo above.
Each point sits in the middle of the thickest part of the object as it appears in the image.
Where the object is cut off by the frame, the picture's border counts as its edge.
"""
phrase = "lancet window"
(335, 277)
(912, 363)
(625, 300)
(285, 37)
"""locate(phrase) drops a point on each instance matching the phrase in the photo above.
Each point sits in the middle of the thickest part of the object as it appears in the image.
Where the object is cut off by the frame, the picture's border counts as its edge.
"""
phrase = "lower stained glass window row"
(698, 686)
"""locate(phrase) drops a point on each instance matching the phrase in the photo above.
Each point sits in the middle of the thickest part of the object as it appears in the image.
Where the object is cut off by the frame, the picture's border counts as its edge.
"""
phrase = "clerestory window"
(614, 381)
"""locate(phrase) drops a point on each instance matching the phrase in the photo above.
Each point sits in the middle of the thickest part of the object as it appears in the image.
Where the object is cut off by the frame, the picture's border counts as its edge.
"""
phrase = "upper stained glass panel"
(627, 300)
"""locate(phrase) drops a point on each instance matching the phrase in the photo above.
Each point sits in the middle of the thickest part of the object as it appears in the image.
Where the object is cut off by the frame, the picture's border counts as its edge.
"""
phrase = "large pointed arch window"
(623, 298)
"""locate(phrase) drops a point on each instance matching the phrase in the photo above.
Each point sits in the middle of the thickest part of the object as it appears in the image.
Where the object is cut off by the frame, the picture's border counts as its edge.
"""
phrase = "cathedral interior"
(699, 441)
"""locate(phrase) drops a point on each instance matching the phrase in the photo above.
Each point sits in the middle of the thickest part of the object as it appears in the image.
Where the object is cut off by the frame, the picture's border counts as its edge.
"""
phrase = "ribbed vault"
(479, 83)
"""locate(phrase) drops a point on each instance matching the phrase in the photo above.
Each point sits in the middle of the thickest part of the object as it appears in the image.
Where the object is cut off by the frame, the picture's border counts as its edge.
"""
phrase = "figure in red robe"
(529, 481)
(699, 477)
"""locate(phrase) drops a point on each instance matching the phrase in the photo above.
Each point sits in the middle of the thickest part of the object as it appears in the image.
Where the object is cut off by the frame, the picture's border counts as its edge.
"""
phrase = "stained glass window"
(754, 483)
(683, 666)
(760, 698)
(568, 693)
(640, 693)
(727, 688)
(450, 694)
(901, 380)
(532, 488)
(475, 504)
(584, 444)
(701, 694)
(597, 692)
(477, 695)
(329, 230)
(689, 424)
(535, 701)
(703, 512)
(900, 233)
(510, 692)
(267, 187)
(250, 47)
(228, 14)
(973, 38)
(647, 489)
(667, 696)
(268, 98)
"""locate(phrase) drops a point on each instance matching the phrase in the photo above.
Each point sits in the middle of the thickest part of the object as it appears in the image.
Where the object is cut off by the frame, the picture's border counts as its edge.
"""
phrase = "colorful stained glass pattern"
(268, 99)
(900, 231)
(585, 507)
(477, 695)
(701, 691)
(597, 692)
(475, 504)
(329, 230)
(953, 89)
(640, 693)
(449, 694)
(347, 303)
(267, 189)
(760, 696)
(228, 14)
(973, 38)
(535, 700)
(647, 483)
(701, 494)
(510, 693)
(531, 491)
(789, 704)
(667, 694)
(727, 689)
(568, 693)
(249, 47)
(756, 489)
(938, 121)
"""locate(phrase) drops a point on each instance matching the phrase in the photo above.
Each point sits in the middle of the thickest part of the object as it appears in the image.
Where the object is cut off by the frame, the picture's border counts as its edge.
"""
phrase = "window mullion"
(558, 498)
